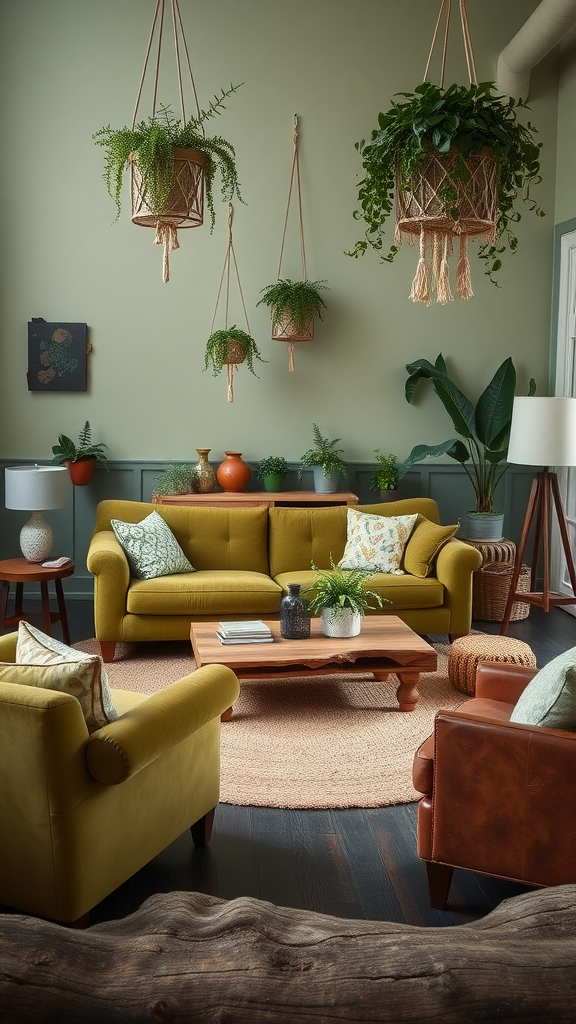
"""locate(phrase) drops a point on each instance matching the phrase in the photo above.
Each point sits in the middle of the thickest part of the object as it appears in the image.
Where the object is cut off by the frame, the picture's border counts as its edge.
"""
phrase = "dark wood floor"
(356, 863)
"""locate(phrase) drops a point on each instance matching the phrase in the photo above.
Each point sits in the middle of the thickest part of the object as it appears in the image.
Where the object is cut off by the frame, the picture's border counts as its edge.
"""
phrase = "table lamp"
(35, 489)
(542, 433)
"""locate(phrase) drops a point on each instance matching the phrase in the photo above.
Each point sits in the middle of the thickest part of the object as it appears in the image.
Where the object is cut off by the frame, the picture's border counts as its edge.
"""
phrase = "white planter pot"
(340, 622)
(325, 484)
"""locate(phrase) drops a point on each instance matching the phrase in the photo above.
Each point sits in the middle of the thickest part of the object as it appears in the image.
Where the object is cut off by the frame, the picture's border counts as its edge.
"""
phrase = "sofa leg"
(202, 829)
(80, 922)
(107, 649)
(439, 878)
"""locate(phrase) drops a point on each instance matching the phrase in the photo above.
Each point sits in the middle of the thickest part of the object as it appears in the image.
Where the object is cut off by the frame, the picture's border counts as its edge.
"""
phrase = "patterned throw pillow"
(151, 547)
(550, 697)
(55, 666)
(376, 542)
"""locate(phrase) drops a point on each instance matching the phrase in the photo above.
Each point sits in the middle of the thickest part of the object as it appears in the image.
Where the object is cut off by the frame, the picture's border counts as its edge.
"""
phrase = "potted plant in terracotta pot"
(272, 471)
(230, 348)
(342, 598)
(326, 461)
(385, 478)
(80, 458)
(485, 428)
(294, 305)
(457, 161)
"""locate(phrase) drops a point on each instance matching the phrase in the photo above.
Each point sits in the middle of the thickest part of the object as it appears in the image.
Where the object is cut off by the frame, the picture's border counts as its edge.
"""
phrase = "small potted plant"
(229, 348)
(326, 461)
(272, 470)
(385, 477)
(80, 458)
(175, 479)
(294, 305)
(342, 598)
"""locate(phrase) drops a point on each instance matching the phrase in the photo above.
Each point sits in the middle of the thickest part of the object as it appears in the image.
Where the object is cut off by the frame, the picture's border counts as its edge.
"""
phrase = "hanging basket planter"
(184, 206)
(287, 330)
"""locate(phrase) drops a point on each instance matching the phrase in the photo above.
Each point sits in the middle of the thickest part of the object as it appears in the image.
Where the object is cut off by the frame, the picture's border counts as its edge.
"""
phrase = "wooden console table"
(255, 499)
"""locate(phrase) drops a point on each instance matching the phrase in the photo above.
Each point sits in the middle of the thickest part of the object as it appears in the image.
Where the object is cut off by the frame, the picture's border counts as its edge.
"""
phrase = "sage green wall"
(67, 67)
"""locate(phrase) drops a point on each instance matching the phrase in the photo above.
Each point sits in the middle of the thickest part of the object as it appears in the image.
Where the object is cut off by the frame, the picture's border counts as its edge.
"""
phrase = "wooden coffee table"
(385, 645)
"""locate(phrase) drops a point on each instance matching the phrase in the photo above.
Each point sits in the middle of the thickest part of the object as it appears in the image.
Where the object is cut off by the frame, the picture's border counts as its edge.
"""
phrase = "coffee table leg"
(407, 693)
(226, 715)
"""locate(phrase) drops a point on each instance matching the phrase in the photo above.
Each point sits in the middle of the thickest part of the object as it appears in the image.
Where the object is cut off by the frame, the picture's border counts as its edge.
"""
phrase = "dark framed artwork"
(57, 356)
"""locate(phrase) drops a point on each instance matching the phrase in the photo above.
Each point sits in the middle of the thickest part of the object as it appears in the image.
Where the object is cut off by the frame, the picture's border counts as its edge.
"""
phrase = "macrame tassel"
(230, 367)
(463, 277)
(291, 355)
(443, 293)
(166, 235)
(421, 284)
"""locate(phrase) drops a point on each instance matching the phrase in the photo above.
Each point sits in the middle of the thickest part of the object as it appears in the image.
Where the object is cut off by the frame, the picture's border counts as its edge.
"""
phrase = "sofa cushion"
(376, 542)
(205, 592)
(151, 548)
(423, 545)
(404, 592)
(550, 698)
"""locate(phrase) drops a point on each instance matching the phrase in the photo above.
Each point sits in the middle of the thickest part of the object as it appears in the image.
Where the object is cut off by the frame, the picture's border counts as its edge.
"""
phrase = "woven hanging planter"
(286, 330)
(184, 207)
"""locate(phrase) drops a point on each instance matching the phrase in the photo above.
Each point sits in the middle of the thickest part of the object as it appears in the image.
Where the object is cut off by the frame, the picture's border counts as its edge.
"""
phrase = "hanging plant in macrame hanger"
(293, 304)
(172, 162)
(230, 346)
(456, 159)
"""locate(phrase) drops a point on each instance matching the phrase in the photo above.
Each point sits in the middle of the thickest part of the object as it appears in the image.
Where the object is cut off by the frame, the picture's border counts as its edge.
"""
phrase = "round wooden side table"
(20, 571)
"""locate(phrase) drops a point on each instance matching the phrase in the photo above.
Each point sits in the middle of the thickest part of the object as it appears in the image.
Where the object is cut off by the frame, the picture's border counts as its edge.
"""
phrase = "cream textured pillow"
(550, 697)
(151, 547)
(86, 679)
(376, 542)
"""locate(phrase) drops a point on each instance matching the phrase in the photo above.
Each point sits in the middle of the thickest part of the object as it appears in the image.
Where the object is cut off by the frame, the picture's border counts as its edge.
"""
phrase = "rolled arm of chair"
(503, 682)
(455, 564)
(8, 647)
(122, 748)
(108, 564)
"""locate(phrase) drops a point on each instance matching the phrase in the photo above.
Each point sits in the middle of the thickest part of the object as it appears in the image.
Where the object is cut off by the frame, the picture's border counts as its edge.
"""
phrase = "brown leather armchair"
(499, 798)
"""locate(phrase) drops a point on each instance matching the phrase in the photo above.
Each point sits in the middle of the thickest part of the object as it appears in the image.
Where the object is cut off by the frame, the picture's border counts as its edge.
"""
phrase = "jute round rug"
(314, 742)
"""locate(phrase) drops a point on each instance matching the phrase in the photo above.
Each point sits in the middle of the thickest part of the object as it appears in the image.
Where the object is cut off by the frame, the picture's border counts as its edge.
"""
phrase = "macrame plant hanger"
(184, 206)
(234, 352)
(286, 331)
(422, 216)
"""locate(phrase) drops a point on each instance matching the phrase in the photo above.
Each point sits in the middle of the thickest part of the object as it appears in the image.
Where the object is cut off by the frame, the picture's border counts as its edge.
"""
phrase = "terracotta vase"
(233, 474)
(203, 476)
(81, 472)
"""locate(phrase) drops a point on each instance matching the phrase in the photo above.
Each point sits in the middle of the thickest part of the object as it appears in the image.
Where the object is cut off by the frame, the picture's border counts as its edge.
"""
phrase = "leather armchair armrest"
(122, 748)
(502, 682)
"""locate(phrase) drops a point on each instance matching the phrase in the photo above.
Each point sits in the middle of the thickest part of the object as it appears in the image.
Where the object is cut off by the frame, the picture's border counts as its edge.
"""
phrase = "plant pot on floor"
(340, 622)
(326, 484)
(82, 471)
(484, 525)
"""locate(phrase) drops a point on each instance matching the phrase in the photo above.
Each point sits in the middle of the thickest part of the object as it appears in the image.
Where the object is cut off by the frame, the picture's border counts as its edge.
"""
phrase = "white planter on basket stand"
(340, 622)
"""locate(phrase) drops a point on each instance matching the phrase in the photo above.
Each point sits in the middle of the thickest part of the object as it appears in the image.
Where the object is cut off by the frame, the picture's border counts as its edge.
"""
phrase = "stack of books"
(248, 632)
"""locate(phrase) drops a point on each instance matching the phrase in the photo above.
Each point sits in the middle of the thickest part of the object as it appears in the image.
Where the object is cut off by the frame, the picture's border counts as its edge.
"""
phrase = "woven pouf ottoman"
(466, 652)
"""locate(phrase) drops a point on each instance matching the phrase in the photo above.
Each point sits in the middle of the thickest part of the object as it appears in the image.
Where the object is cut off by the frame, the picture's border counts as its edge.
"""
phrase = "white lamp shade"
(36, 488)
(543, 432)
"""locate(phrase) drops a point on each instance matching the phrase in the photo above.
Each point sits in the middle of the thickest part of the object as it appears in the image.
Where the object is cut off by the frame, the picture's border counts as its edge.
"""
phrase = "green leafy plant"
(385, 477)
(485, 426)
(150, 145)
(217, 349)
(273, 464)
(342, 588)
(67, 451)
(298, 301)
(175, 479)
(325, 454)
(458, 118)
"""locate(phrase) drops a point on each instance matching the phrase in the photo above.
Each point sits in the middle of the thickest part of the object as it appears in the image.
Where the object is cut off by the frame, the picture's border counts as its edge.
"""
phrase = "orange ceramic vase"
(233, 474)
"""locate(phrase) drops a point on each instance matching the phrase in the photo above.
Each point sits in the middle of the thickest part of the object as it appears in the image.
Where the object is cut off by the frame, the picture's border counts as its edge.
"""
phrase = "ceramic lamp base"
(36, 538)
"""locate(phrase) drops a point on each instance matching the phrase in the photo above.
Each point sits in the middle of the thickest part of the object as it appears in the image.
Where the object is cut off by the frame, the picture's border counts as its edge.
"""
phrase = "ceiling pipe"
(545, 28)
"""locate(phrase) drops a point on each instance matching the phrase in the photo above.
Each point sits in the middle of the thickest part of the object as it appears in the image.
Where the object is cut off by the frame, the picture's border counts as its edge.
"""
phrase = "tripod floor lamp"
(542, 433)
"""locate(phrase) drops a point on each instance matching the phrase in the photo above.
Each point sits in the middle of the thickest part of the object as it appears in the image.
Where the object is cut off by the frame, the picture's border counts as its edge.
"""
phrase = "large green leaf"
(494, 407)
(458, 407)
(453, 447)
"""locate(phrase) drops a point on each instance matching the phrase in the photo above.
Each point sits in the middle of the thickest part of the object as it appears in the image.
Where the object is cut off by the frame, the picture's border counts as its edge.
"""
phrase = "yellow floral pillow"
(376, 542)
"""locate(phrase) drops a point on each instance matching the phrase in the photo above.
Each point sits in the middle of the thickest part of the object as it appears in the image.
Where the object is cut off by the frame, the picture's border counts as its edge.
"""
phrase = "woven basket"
(231, 351)
(184, 207)
(490, 592)
(466, 653)
(286, 331)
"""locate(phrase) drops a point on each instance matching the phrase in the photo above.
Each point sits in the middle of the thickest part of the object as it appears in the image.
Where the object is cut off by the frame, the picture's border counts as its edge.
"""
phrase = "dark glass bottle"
(294, 615)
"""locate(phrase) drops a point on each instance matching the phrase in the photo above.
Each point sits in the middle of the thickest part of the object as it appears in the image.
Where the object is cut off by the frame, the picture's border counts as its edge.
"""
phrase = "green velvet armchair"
(80, 813)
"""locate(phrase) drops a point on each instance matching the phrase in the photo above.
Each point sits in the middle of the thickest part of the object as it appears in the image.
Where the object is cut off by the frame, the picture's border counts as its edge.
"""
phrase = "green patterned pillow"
(151, 547)
(550, 697)
(376, 542)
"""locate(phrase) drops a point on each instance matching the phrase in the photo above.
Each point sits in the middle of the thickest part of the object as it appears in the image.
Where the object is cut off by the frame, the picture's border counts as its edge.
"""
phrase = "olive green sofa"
(244, 559)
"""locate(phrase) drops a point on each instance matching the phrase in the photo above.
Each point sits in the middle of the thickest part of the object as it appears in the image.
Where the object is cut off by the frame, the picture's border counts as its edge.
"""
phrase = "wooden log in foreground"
(189, 957)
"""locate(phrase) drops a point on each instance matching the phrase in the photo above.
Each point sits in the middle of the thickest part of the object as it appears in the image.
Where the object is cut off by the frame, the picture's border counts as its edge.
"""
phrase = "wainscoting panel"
(135, 481)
